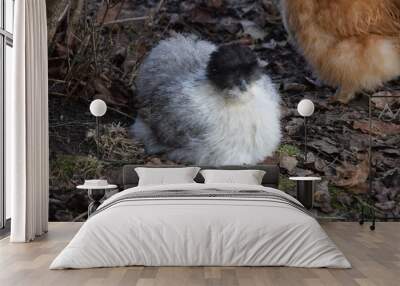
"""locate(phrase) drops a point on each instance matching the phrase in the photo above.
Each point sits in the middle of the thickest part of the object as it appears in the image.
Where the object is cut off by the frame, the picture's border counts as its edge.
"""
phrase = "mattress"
(201, 225)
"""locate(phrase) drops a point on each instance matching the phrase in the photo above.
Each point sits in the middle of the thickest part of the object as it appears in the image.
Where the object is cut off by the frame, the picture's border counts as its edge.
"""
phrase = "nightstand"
(95, 194)
(305, 190)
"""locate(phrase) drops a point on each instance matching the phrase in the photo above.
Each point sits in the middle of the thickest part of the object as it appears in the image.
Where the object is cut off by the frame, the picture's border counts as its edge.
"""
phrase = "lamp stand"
(98, 136)
(305, 140)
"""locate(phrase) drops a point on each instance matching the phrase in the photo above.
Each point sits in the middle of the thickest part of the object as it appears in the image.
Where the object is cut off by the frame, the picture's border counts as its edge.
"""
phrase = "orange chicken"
(351, 44)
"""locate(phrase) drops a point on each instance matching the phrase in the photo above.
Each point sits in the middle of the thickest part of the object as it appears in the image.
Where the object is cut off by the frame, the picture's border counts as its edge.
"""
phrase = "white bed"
(202, 231)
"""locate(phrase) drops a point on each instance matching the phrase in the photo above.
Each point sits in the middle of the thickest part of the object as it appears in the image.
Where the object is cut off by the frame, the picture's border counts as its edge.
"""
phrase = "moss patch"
(68, 171)
(290, 150)
(286, 185)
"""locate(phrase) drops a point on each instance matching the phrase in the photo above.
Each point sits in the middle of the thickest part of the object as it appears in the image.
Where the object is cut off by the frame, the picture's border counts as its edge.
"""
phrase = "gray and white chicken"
(206, 105)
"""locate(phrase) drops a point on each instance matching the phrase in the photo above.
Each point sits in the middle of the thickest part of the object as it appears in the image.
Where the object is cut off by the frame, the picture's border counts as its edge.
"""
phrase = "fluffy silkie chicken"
(351, 44)
(206, 105)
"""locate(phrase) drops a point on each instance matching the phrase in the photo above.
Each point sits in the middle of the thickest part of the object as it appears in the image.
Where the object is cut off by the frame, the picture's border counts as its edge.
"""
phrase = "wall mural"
(207, 82)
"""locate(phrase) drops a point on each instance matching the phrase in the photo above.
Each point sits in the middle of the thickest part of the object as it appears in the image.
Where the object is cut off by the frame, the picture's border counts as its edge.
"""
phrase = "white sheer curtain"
(27, 124)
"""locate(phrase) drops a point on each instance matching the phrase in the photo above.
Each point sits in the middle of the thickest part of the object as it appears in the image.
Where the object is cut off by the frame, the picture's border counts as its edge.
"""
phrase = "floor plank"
(375, 257)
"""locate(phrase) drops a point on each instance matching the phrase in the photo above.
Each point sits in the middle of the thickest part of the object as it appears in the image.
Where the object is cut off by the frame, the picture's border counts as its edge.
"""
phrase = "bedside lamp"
(98, 108)
(305, 109)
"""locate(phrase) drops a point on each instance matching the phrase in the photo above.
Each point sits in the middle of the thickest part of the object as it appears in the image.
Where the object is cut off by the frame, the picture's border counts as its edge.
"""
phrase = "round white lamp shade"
(305, 108)
(98, 107)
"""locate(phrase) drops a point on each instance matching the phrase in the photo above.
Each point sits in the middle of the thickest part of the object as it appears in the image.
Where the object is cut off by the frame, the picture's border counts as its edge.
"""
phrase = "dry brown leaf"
(325, 145)
(215, 3)
(108, 100)
(202, 16)
(383, 102)
(246, 40)
(62, 50)
(104, 15)
(110, 94)
(101, 87)
(272, 160)
(378, 127)
(294, 87)
(288, 163)
(353, 177)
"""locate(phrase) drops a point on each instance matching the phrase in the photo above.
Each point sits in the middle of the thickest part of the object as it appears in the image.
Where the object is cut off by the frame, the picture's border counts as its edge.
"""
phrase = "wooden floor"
(375, 257)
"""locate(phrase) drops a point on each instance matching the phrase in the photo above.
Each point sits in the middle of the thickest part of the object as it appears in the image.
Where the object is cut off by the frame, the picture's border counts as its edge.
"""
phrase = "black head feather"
(233, 66)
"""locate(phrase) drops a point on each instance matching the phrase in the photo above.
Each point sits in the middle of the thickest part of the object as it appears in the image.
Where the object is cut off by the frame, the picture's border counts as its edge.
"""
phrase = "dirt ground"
(96, 48)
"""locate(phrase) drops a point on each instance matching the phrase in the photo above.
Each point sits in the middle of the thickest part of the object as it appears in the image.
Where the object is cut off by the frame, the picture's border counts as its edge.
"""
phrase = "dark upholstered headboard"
(271, 178)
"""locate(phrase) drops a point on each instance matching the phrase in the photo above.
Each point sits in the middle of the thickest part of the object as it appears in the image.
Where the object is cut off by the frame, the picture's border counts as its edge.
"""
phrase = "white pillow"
(165, 176)
(248, 177)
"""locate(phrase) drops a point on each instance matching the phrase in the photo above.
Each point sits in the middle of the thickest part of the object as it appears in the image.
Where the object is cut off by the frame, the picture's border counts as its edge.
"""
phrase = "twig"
(64, 13)
(85, 15)
(81, 50)
(121, 21)
(57, 93)
(154, 12)
(75, 36)
(105, 13)
(120, 9)
(94, 50)
(67, 39)
(120, 112)
(57, 80)
(70, 124)
(160, 4)
(57, 58)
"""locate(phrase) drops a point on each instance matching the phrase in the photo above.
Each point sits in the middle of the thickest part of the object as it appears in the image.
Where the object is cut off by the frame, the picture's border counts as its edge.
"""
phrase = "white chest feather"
(242, 131)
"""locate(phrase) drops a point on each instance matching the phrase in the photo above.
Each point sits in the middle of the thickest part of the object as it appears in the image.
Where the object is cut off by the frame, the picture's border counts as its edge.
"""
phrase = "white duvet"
(200, 231)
